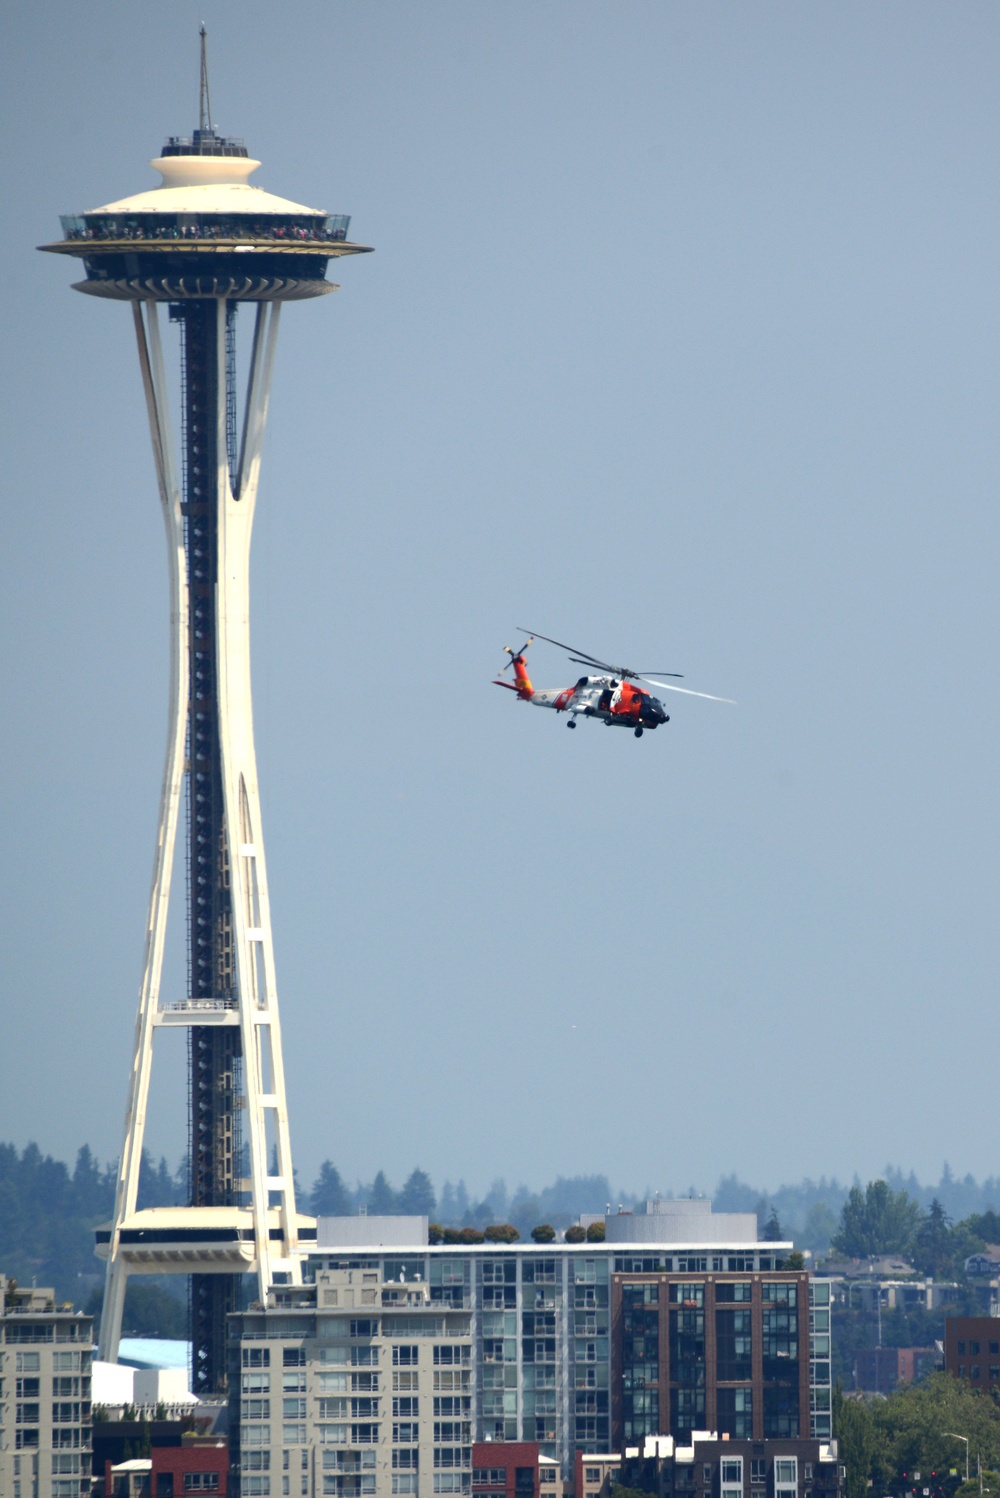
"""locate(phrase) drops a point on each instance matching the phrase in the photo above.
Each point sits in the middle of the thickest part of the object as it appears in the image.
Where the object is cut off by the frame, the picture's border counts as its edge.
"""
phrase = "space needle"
(203, 243)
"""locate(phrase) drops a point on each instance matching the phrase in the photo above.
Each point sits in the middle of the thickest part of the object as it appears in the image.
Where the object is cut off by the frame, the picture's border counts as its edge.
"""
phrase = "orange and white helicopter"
(609, 696)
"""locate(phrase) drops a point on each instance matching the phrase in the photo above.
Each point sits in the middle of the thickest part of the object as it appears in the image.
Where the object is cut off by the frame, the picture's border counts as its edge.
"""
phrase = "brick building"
(514, 1469)
(710, 1351)
(972, 1349)
(196, 1468)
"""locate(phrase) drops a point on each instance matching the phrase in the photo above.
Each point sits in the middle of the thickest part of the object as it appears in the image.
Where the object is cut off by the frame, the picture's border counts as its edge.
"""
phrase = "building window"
(331, 1435)
(406, 1357)
(256, 1357)
(201, 1482)
(961, 1349)
(256, 1409)
(364, 1328)
(255, 1461)
(973, 1370)
(448, 1354)
(974, 1348)
(27, 1362)
(293, 1357)
(452, 1456)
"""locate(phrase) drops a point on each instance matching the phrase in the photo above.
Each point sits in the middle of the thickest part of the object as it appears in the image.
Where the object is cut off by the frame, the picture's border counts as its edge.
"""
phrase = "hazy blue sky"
(679, 343)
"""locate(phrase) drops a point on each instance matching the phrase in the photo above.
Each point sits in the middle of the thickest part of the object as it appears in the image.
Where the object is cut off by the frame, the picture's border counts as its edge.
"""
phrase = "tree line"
(48, 1211)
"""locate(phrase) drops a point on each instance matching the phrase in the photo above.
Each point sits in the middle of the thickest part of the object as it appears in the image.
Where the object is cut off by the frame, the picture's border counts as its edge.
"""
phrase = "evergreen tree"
(87, 1185)
(417, 1195)
(329, 1197)
(772, 1228)
(382, 1200)
(933, 1248)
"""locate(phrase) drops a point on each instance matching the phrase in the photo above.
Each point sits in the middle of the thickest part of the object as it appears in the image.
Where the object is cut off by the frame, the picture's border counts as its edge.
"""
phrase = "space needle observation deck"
(205, 232)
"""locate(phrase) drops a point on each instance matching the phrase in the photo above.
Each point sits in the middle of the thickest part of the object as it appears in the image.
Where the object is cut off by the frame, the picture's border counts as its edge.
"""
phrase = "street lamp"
(955, 1435)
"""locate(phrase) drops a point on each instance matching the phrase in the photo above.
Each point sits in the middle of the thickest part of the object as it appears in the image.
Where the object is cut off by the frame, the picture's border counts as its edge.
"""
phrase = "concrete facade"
(45, 1409)
(354, 1384)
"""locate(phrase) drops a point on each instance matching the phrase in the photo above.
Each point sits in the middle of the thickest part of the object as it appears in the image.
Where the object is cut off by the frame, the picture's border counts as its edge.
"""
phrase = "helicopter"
(609, 696)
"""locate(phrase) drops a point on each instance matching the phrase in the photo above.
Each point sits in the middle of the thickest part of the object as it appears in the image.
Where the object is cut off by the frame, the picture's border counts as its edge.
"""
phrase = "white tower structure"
(205, 242)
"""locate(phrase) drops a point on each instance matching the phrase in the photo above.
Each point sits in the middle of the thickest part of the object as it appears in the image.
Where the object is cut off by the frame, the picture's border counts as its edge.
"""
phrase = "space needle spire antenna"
(206, 244)
(204, 101)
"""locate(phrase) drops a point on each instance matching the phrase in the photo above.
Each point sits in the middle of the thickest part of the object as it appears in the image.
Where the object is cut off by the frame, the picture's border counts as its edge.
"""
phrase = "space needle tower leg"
(147, 330)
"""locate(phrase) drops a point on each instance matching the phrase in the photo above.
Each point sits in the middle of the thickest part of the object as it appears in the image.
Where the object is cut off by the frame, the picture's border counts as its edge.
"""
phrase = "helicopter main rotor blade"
(592, 659)
(581, 658)
(666, 685)
(599, 665)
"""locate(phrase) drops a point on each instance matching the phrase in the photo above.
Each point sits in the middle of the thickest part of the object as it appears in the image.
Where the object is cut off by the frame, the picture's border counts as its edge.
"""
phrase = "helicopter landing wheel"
(638, 733)
(571, 723)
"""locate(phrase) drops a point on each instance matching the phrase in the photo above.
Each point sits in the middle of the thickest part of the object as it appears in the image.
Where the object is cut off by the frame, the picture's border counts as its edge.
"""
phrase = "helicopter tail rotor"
(522, 682)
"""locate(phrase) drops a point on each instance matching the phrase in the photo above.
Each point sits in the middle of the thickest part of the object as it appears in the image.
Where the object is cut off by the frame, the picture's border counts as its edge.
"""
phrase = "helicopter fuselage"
(616, 703)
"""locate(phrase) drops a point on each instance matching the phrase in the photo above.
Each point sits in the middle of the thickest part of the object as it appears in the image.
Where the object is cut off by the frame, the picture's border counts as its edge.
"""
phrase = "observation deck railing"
(188, 227)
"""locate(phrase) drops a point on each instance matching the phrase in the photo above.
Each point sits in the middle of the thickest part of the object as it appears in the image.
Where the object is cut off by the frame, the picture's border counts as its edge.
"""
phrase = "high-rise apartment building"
(556, 1352)
(45, 1424)
(355, 1384)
